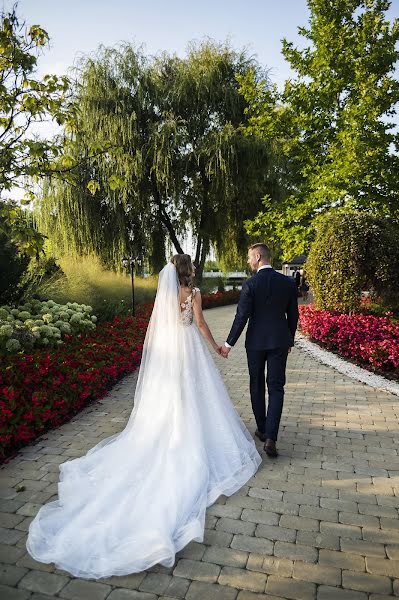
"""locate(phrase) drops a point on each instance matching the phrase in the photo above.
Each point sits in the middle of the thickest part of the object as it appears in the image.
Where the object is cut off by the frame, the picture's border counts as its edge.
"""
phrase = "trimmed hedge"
(353, 251)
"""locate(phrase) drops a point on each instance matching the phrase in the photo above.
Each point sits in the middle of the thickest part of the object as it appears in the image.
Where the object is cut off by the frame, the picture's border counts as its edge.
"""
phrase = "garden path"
(320, 522)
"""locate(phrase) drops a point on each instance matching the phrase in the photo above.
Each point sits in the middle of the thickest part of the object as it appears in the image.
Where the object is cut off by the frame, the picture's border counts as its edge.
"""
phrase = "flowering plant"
(43, 388)
(38, 324)
(370, 341)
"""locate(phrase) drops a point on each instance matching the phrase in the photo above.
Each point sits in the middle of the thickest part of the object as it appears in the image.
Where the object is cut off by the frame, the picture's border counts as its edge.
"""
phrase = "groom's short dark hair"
(263, 250)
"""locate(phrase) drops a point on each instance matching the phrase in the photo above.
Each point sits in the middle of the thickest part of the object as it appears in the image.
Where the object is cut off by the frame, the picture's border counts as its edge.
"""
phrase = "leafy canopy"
(331, 126)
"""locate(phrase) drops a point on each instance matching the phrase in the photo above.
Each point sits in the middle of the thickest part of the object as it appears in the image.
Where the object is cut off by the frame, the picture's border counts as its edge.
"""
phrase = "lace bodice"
(187, 308)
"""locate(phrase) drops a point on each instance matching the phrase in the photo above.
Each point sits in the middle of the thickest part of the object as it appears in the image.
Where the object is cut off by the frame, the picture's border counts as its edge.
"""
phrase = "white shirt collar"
(264, 267)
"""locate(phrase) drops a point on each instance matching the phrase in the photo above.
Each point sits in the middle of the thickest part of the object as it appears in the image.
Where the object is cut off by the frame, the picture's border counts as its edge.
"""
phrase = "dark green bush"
(12, 267)
(354, 251)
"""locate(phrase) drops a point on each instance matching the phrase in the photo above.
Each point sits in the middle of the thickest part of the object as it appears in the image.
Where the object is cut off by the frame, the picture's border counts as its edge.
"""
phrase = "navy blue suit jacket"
(269, 301)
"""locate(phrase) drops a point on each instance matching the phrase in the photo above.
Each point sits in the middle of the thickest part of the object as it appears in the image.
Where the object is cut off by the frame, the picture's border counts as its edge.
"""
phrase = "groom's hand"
(224, 351)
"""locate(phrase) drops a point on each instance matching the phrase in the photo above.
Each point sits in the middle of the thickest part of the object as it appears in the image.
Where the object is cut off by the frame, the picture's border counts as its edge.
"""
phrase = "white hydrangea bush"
(42, 324)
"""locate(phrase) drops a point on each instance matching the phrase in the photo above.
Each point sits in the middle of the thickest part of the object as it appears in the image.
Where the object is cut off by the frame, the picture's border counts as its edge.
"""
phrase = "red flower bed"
(220, 299)
(372, 342)
(45, 388)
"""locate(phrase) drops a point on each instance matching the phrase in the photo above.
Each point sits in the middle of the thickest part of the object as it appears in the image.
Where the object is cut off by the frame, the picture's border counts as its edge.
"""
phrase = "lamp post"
(126, 263)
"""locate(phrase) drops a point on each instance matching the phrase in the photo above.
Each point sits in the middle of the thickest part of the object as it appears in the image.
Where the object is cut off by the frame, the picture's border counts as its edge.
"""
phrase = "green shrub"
(42, 324)
(353, 251)
(86, 281)
(12, 268)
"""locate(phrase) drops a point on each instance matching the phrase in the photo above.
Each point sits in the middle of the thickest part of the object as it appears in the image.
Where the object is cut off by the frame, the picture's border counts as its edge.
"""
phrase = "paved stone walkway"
(320, 522)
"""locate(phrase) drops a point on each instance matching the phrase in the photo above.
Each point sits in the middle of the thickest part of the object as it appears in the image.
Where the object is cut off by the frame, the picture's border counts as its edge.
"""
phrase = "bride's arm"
(201, 323)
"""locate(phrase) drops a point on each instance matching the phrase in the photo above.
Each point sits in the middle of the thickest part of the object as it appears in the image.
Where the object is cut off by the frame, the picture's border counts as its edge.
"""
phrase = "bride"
(139, 496)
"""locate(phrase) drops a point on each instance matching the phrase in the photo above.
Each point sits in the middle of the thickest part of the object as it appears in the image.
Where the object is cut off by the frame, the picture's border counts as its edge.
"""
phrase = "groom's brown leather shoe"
(260, 435)
(270, 448)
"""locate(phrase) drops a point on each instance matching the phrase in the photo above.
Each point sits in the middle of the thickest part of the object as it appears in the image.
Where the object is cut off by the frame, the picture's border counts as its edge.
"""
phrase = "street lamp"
(126, 262)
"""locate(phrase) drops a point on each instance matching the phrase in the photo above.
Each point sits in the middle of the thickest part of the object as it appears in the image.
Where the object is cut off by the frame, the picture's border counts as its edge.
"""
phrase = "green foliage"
(353, 251)
(39, 271)
(176, 157)
(42, 324)
(25, 101)
(211, 265)
(331, 126)
(12, 268)
(85, 281)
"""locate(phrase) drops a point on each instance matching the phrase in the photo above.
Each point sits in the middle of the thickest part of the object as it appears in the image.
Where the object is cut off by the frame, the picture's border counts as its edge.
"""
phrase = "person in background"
(297, 277)
(304, 286)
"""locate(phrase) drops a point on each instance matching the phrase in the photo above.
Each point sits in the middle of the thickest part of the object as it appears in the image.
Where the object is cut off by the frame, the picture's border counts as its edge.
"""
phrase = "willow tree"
(170, 154)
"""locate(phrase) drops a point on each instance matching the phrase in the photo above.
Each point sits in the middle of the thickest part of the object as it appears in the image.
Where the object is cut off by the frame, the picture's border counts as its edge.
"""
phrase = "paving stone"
(228, 557)
(124, 594)
(244, 501)
(194, 550)
(78, 589)
(270, 565)
(295, 551)
(177, 587)
(318, 540)
(10, 575)
(10, 536)
(282, 508)
(10, 593)
(217, 538)
(265, 494)
(347, 531)
(45, 583)
(356, 519)
(30, 563)
(300, 523)
(334, 593)
(242, 579)
(252, 544)
(201, 591)
(194, 569)
(245, 595)
(235, 526)
(363, 548)
(225, 510)
(382, 566)
(155, 583)
(317, 573)
(10, 554)
(382, 536)
(322, 514)
(392, 552)
(290, 588)
(10, 506)
(9, 520)
(260, 516)
(29, 509)
(275, 533)
(342, 560)
(387, 523)
(366, 583)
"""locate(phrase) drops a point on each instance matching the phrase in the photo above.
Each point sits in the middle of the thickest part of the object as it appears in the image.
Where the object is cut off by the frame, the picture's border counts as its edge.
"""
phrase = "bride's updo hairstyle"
(184, 268)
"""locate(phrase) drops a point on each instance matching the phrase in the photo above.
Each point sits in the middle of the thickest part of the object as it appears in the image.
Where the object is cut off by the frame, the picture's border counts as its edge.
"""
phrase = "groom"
(269, 301)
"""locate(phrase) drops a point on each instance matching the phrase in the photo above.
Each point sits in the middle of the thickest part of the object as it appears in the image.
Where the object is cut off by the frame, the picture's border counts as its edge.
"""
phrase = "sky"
(78, 27)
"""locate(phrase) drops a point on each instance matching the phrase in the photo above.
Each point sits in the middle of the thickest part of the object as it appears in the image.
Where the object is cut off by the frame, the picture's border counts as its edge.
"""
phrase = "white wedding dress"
(138, 497)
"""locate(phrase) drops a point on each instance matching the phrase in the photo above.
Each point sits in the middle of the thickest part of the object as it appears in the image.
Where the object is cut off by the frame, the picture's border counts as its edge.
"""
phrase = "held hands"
(222, 350)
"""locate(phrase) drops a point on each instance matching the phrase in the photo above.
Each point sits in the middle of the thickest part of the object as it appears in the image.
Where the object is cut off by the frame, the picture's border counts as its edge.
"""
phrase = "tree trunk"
(164, 217)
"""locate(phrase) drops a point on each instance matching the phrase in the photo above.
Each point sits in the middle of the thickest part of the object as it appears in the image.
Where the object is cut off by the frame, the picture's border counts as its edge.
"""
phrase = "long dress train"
(138, 497)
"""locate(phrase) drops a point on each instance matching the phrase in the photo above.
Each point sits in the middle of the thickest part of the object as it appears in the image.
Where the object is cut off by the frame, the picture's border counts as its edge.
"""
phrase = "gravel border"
(345, 367)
